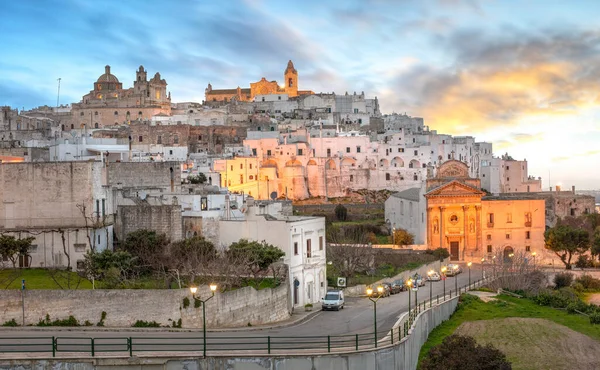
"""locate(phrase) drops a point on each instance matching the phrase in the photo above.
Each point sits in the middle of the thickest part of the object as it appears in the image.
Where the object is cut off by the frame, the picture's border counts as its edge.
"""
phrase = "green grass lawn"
(505, 306)
(38, 279)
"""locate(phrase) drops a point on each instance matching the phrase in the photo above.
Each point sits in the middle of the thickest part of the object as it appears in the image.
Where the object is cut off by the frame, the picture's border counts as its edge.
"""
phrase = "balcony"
(490, 224)
(527, 223)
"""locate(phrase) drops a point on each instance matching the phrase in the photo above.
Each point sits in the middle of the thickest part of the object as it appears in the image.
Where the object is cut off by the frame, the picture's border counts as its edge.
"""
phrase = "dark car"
(398, 286)
(387, 289)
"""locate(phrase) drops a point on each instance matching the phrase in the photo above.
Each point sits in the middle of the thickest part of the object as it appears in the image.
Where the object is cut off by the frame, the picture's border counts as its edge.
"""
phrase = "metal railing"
(322, 344)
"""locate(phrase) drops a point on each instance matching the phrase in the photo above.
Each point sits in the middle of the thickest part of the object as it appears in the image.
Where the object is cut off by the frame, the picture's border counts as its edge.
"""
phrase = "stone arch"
(311, 163)
(330, 165)
(397, 162)
(507, 253)
(414, 164)
(269, 163)
(293, 163)
(348, 162)
(384, 163)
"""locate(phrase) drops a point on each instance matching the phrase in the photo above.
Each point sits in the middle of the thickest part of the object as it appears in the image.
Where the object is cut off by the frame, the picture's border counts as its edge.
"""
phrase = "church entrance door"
(454, 251)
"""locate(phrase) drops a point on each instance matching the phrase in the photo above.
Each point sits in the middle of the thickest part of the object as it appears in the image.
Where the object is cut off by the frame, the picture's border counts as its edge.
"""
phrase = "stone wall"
(401, 356)
(165, 219)
(124, 307)
(145, 175)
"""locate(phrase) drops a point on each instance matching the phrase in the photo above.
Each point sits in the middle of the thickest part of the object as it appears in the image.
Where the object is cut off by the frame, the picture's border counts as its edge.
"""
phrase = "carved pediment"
(453, 189)
(453, 168)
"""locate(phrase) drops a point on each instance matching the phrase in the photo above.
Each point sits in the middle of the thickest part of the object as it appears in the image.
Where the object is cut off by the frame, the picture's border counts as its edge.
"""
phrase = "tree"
(258, 256)
(149, 247)
(191, 256)
(199, 179)
(11, 248)
(341, 212)
(565, 241)
(348, 251)
(439, 253)
(403, 237)
(596, 243)
(462, 352)
(114, 268)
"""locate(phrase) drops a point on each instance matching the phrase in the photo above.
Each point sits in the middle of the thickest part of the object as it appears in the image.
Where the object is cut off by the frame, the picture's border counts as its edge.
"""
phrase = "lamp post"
(370, 294)
(193, 289)
(469, 265)
(482, 268)
(533, 254)
(443, 270)
(455, 278)
(430, 273)
(409, 284)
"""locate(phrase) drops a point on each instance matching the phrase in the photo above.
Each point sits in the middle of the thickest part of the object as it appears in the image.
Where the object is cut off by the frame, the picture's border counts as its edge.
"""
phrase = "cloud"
(516, 139)
(586, 154)
(498, 81)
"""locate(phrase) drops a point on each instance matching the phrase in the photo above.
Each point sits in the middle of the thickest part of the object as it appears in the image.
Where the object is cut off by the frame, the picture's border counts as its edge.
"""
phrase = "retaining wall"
(400, 356)
(124, 307)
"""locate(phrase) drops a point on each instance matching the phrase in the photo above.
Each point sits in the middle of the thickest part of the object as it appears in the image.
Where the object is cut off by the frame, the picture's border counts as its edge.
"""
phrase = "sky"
(524, 75)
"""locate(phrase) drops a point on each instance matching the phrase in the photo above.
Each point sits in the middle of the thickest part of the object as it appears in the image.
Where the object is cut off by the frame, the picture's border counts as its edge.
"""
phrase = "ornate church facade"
(110, 104)
(459, 216)
(262, 87)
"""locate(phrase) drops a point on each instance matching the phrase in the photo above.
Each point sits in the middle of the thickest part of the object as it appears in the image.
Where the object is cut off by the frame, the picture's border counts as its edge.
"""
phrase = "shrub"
(583, 261)
(439, 253)
(87, 323)
(11, 322)
(186, 302)
(578, 287)
(462, 352)
(145, 324)
(341, 212)
(102, 318)
(588, 282)
(595, 318)
(197, 303)
(70, 321)
(563, 279)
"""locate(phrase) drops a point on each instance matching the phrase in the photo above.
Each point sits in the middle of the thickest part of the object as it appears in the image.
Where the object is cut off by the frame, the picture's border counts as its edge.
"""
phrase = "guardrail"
(248, 344)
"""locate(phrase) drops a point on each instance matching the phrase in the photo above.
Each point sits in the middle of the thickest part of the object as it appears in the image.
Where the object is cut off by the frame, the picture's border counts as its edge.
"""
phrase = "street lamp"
(455, 278)
(469, 265)
(430, 273)
(409, 284)
(444, 269)
(482, 268)
(533, 254)
(193, 289)
(370, 294)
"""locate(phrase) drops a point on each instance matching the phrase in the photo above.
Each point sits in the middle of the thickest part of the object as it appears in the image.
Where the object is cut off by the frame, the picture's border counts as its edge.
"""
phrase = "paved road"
(356, 318)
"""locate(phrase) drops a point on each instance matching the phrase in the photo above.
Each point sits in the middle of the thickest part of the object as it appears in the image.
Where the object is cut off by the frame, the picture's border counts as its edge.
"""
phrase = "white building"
(407, 210)
(301, 238)
(507, 175)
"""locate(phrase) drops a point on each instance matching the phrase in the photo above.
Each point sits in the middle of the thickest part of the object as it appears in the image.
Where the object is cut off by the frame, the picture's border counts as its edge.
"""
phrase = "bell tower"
(290, 77)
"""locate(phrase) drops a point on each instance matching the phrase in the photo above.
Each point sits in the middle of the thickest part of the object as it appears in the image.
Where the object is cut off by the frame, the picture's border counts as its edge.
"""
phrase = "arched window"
(96, 125)
(387, 176)
(81, 114)
(116, 113)
(72, 126)
(96, 113)
(290, 82)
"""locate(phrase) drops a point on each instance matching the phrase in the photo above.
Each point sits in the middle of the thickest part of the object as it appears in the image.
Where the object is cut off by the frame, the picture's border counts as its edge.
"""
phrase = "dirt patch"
(594, 299)
(536, 343)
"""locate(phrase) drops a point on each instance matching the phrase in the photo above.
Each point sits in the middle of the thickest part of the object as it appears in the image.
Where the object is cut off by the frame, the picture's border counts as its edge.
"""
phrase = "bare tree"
(348, 251)
(514, 271)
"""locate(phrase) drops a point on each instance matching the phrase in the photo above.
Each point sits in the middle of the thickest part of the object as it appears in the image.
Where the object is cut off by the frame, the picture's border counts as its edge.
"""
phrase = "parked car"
(387, 290)
(398, 286)
(333, 300)
(394, 289)
(453, 270)
(418, 280)
(434, 276)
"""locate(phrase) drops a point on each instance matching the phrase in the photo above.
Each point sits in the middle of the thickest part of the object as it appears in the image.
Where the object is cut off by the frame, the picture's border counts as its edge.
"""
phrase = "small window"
(489, 237)
(321, 243)
(527, 234)
(351, 178)
(95, 113)
(231, 167)
(32, 248)
(509, 218)
(527, 248)
(299, 151)
(250, 177)
(573, 212)
(159, 139)
(358, 149)
(241, 166)
(347, 149)
(308, 248)
(170, 151)
(176, 139)
(199, 137)
(79, 247)
(489, 249)
(387, 176)
(416, 152)
(140, 138)
(507, 236)
(250, 165)
(295, 248)
(269, 152)
(490, 218)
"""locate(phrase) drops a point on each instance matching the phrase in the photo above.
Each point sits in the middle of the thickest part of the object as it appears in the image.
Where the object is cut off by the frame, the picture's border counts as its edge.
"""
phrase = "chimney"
(107, 70)
(227, 208)
(558, 188)
(573, 189)
(551, 188)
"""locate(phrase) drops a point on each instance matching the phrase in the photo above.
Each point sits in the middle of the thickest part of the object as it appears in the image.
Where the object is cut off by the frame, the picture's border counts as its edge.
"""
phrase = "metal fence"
(248, 344)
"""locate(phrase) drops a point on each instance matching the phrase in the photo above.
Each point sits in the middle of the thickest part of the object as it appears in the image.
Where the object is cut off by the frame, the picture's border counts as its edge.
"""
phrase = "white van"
(333, 300)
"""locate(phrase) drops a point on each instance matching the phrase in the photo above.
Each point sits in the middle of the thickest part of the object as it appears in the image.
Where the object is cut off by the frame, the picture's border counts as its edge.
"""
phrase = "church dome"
(107, 76)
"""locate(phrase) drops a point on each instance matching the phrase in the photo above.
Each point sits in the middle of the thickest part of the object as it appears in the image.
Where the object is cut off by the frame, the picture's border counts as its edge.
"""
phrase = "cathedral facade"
(262, 87)
(110, 104)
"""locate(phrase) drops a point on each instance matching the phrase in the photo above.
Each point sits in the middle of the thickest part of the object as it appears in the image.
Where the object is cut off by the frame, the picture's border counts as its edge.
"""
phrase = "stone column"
(442, 227)
(466, 230)
(429, 226)
(478, 228)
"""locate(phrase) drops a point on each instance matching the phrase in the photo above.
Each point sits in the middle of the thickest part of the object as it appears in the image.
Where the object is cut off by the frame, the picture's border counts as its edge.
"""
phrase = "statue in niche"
(436, 226)
(471, 226)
